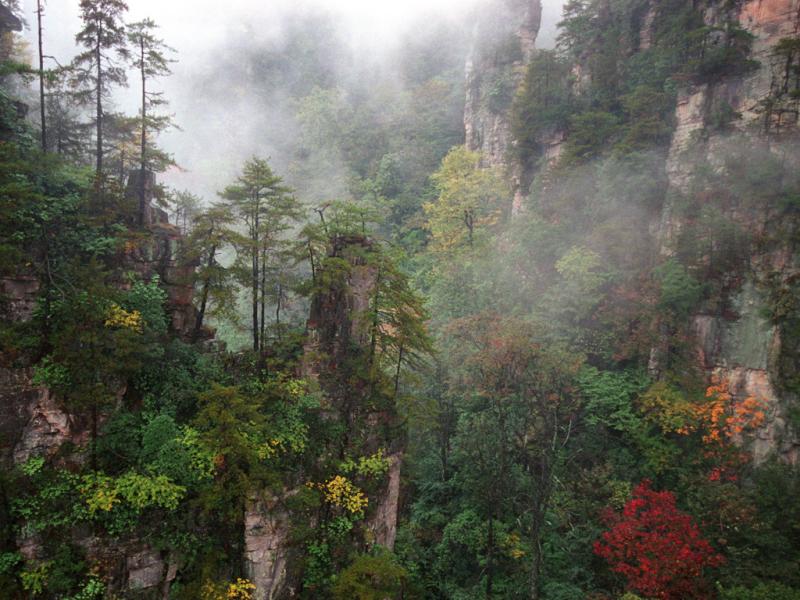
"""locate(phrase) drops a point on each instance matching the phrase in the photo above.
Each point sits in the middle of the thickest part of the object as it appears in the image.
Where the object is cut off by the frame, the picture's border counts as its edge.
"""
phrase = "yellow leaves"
(241, 589)
(119, 317)
(668, 408)
(103, 493)
(339, 491)
(367, 466)
(100, 492)
(271, 449)
(469, 199)
(512, 545)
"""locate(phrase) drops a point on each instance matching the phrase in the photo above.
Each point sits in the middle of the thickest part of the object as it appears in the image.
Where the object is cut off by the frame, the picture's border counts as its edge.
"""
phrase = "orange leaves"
(719, 416)
(722, 417)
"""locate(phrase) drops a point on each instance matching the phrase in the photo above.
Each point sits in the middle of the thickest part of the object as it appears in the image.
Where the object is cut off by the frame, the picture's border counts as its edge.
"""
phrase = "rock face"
(503, 44)
(18, 295)
(338, 331)
(742, 350)
(159, 254)
(337, 321)
(266, 533)
(33, 422)
(383, 524)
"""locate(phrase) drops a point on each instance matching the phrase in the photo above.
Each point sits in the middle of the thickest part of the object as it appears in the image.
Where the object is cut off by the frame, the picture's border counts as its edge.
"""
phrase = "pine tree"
(99, 67)
(211, 235)
(267, 208)
(67, 135)
(42, 104)
(150, 59)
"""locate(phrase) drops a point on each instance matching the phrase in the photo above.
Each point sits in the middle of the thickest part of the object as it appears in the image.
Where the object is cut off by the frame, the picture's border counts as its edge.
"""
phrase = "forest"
(480, 315)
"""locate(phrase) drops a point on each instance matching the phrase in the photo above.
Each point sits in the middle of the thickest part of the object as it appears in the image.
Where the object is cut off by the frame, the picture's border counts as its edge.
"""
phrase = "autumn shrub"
(657, 548)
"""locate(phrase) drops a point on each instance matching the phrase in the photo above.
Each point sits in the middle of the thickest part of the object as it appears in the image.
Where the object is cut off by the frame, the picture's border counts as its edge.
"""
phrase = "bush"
(371, 578)
(763, 591)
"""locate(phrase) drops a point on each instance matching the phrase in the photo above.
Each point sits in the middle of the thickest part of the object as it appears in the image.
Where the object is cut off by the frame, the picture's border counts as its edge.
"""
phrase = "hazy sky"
(196, 27)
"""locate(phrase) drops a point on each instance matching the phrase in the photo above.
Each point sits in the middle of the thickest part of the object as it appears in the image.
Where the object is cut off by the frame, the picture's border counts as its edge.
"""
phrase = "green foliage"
(542, 105)
(103, 493)
(500, 90)
(34, 580)
(9, 562)
(93, 589)
(680, 292)
(375, 465)
(609, 398)
(763, 591)
(590, 135)
(149, 300)
(371, 578)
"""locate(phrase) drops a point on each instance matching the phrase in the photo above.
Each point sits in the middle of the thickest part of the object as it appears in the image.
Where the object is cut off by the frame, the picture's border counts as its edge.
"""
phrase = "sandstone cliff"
(745, 349)
(503, 43)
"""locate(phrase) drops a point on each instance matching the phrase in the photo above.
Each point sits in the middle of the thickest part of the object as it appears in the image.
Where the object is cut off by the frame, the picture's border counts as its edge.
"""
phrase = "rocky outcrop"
(503, 43)
(337, 323)
(382, 525)
(266, 536)
(18, 295)
(34, 423)
(159, 254)
(740, 347)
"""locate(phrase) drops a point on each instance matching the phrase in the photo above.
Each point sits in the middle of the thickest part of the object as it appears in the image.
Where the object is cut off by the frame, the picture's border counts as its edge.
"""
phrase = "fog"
(223, 92)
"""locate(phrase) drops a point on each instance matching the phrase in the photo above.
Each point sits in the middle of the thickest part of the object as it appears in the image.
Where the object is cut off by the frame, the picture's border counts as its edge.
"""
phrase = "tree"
(267, 208)
(97, 68)
(210, 235)
(657, 548)
(186, 208)
(525, 411)
(42, 104)
(542, 105)
(469, 199)
(396, 321)
(100, 338)
(121, 144)
(67, 136)
(150, 59)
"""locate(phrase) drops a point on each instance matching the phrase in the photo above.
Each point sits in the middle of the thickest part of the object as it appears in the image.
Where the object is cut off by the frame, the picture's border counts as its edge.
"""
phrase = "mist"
(241, 69)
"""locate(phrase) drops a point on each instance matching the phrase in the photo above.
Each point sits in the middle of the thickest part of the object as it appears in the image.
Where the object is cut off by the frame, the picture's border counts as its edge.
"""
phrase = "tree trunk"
(94, 436)
(375, 323)
(313, 266)
(536, 551)
(255, 252)
(198, 325)
(263, 323)
(99, 108)
(397, 372)
(490, 558)
(143, 157)
(41, 76)
(278, 310)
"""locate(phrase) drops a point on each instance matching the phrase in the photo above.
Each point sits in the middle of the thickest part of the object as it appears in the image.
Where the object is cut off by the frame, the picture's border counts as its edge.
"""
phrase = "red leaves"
(658, 548)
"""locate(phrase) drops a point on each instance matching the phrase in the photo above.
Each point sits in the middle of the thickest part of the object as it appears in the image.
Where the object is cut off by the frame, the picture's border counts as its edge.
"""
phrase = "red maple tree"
(658, 548)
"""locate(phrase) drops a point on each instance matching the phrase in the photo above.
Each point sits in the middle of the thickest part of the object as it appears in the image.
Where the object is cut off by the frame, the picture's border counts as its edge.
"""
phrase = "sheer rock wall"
(503, 44)
(742, 349)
